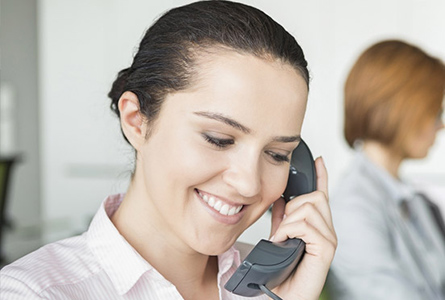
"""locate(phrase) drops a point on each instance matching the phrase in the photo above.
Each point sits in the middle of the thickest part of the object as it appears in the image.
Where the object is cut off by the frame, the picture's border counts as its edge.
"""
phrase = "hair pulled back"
(166, 56)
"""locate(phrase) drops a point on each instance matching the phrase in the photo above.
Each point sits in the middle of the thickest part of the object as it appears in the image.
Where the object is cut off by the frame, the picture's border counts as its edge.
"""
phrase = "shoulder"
(360, 200)
(64, 262)
(357, 187)
(363, 183)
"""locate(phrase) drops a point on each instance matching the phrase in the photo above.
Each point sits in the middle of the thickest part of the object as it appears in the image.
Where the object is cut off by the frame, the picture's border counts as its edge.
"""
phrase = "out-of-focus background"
(59, 58)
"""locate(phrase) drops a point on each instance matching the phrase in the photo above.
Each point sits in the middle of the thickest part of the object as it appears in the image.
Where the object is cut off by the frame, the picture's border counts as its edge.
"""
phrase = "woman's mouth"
(219, 205)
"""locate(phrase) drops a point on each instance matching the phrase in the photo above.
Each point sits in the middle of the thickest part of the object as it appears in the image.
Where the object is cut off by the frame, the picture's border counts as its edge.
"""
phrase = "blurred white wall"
(83, 44)
(19, 117)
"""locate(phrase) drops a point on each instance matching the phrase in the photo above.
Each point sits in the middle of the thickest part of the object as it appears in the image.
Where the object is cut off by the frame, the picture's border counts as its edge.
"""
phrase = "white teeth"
(224, 209)
(218, 205)
(232, 211)
(211, 202)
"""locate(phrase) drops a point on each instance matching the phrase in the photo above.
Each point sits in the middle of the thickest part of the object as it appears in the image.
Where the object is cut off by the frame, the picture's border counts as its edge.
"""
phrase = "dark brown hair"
(166, 58)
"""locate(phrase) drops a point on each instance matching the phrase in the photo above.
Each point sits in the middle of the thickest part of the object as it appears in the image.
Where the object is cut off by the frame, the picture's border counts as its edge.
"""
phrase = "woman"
(213, 105)
(391, 242)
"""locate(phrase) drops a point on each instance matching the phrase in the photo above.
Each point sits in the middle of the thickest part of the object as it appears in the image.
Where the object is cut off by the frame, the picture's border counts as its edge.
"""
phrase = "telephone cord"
(268, 292)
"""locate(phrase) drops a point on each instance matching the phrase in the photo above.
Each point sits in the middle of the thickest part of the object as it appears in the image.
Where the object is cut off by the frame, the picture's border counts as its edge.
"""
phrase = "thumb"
(322, 176)
(277, 215)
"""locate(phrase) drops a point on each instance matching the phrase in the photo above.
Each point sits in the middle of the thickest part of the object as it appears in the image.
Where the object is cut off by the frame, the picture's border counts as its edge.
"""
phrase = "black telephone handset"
(269, 264)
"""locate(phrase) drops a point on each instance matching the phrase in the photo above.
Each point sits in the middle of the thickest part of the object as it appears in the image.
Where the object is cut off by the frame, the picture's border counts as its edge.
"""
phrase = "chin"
(419, 155)
(419, 152)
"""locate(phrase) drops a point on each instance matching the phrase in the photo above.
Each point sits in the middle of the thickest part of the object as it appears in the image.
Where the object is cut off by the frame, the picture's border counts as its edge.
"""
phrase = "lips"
(219, 205)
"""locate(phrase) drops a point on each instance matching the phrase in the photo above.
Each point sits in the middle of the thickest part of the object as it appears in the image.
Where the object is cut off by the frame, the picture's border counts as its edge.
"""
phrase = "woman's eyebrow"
(224, 119)
(229, 121)
(287, 139)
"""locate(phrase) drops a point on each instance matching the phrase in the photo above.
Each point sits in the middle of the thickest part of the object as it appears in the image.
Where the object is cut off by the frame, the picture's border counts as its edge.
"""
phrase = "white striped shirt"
(99, 264)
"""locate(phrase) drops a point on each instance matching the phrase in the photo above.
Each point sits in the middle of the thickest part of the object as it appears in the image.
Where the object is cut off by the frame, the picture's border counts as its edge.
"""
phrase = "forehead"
(254, 90)
(207, 58)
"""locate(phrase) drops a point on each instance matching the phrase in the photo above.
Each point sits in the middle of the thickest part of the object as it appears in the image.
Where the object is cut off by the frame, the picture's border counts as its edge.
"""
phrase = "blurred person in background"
(391, 237)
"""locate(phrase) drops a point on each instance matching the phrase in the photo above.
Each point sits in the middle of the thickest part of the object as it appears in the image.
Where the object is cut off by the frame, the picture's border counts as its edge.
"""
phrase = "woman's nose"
(244, 176)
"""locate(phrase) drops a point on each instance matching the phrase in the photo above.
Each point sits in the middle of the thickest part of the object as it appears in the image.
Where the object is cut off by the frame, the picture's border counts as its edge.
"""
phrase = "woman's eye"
(220, 143)
(279, 158)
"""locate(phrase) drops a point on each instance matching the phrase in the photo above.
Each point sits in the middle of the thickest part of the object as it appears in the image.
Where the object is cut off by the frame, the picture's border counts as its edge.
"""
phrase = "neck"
(193, 274)
(383, 156)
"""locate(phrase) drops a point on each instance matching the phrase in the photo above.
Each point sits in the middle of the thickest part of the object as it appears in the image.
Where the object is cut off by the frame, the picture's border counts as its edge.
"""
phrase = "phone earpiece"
(302, 176)
(297, 183)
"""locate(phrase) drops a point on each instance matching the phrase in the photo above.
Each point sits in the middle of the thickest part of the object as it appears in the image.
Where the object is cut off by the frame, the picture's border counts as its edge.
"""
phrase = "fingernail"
(271, 239)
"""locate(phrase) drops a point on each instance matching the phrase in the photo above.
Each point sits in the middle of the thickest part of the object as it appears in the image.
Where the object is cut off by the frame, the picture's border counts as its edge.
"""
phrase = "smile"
(220, 206)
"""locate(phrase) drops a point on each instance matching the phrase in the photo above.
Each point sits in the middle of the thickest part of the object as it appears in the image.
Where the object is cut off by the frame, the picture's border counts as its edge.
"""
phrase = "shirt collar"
(228, 259)
(397, 189)
(118, 258)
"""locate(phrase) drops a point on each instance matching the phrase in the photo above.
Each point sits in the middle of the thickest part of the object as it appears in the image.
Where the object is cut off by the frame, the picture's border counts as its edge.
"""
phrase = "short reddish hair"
(393, 89)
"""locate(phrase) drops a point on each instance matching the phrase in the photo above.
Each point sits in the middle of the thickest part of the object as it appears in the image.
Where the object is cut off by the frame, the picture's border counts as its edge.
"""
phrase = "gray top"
(389, 246)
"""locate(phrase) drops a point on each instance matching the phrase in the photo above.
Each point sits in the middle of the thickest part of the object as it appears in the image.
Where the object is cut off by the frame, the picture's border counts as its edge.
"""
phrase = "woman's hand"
(307, 217)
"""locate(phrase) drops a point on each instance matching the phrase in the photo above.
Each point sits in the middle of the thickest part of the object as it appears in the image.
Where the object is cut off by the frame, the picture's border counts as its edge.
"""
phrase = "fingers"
(308, 217)
(318, 199)
(312, 208)
(308, 279)
(308, 213)
(317, 243)
(277, 215)
(322, 176)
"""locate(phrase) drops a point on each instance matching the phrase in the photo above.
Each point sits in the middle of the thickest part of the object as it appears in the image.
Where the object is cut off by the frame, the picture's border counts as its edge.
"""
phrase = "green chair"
(324, 294)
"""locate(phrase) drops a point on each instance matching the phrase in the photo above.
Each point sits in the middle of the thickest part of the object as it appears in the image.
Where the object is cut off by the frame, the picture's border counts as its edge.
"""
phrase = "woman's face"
(218, 155)
(418, 144)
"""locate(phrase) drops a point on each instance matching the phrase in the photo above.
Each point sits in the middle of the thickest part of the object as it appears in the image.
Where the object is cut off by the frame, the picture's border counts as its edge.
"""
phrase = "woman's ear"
(132, 120)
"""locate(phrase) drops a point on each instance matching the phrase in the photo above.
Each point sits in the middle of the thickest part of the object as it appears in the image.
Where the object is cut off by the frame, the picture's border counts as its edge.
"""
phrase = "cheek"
(195, 161)
(418, 145)
(274, 183)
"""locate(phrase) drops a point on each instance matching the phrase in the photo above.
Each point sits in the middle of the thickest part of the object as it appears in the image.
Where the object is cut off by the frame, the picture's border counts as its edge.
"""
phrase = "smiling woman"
(213, 105)
(222, 129)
